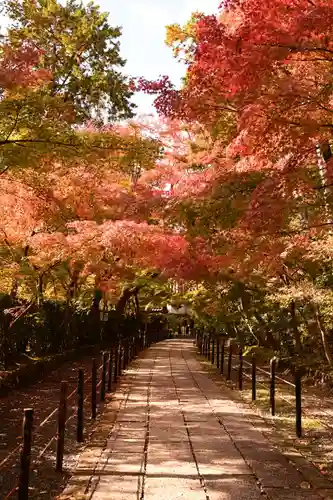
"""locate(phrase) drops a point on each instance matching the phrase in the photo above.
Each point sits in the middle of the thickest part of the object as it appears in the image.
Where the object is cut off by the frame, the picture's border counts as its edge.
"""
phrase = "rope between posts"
(14, 490)
(18, 447)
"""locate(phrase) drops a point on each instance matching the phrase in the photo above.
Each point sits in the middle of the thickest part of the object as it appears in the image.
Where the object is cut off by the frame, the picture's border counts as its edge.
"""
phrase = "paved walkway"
(170, 433)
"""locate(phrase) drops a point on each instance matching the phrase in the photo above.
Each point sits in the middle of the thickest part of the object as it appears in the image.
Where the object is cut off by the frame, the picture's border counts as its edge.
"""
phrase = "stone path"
(169, 433)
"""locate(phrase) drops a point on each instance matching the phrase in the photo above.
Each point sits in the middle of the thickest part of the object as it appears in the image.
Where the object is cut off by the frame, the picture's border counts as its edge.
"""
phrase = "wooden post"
(93, 389)
(80, 401)
(229, 362)
(103, 376)
(61, 426)
(298, 394)
(240, 370)
(23, 492)
(272, 385)
(137, 345)
(222, 356)
(213, 351)
(110, 372)
(125, 357)
(218, 353)
(254, 377)
(116, 359)
(120, 358)
(130, 349)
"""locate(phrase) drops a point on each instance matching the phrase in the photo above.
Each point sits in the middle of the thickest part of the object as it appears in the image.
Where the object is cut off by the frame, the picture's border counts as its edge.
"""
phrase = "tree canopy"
(223, 202)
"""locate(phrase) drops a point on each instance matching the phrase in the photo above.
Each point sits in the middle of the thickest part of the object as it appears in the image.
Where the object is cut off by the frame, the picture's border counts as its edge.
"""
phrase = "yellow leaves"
(178, 37)
(174, 33)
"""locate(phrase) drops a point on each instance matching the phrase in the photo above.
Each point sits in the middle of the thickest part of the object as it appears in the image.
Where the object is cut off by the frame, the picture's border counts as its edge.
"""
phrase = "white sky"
(142, 41)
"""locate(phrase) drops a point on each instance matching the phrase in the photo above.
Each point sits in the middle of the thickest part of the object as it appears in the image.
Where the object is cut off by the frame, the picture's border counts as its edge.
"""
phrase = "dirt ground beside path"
(171, 431)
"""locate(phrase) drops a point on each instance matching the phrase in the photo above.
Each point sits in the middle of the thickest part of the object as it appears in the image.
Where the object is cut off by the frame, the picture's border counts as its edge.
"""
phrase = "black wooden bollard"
(125, 358)
(272, 385)
(213, 351)
(61, 426)
(254, 377)
(130, 350)
(23, 490)
(110, 372)
(93, 389)
(240, 370)
(103, 375)
(229, 362)
(120, 358)
(222, 357)
(298, 394)
(217, 353)
(80, 401)
(123, 361)
(116, 360)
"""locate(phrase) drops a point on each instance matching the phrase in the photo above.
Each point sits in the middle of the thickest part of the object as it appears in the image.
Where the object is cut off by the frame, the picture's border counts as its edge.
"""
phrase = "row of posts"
(215, 350)
(113, 362)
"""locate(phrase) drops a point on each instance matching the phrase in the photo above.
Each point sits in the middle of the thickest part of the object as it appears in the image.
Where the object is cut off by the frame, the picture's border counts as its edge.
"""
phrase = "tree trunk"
(137, 305)
(295, 329)
(40, 289)
(248, 324)
(323, 333)
(123, 299)
(96, 301)
(14, 289)
(269, 339)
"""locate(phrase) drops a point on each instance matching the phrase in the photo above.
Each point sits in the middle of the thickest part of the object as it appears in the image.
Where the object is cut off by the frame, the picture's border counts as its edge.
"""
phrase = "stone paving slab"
(170, 432)
(173, 489)
(233, 488)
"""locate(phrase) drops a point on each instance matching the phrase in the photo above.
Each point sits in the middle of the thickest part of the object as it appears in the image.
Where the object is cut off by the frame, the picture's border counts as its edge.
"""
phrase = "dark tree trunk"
(266, 335)
(323, 334)
(295, 329)
(124, 298)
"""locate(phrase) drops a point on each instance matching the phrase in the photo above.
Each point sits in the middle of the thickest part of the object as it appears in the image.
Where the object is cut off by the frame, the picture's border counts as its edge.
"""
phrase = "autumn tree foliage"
(82, 51)
(258, 86)
(223, 202)
(69, 173)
